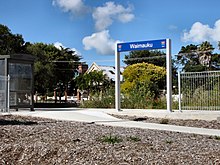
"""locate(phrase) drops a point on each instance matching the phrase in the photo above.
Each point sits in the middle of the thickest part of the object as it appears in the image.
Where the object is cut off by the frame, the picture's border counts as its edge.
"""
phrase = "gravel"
(214, 124)
(28, 140)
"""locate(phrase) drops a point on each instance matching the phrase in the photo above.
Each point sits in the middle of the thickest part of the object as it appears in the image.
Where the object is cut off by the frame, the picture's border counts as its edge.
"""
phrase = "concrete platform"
(176, 114)
(103, 117)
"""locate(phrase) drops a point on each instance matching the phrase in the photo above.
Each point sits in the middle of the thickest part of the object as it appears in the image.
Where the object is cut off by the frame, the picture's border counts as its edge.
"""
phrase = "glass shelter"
(18, 92)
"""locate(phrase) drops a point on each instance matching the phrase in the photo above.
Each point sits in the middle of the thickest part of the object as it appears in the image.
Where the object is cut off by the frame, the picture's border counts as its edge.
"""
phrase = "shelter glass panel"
(3, 82)
(2, 67)
(21, 76)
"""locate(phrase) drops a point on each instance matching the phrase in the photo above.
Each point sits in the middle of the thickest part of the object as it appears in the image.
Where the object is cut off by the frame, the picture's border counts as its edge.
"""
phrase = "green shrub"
(104, 99)
(136, 99)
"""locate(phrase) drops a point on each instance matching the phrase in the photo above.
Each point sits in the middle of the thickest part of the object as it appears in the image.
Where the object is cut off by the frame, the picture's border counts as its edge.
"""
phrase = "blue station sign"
(142, 45)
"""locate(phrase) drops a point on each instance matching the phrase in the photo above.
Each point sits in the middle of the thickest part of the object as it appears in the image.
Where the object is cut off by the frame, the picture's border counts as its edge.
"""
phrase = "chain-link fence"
(199, 90)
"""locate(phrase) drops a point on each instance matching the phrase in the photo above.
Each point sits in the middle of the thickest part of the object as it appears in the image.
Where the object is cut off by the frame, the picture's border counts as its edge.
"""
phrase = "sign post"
(143, 45)
(117, 80)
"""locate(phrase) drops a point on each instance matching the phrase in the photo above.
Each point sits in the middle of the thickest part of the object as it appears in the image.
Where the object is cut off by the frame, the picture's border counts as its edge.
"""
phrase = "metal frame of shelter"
(19, 68)
(144, 45)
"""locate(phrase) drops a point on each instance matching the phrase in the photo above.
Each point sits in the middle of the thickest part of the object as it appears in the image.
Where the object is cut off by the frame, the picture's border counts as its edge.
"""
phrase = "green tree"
(153, 57)
(53, 66)
(44, 70)
(196, 58)
(144, 76)
(65, 61)
(93, 82)
(10, 43)
(157, 58)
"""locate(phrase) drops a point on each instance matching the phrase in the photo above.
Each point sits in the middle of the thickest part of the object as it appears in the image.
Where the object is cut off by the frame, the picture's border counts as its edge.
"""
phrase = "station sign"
(142, 45)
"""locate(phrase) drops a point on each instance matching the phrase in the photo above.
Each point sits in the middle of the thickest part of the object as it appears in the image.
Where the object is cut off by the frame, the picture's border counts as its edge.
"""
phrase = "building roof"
(109, 71)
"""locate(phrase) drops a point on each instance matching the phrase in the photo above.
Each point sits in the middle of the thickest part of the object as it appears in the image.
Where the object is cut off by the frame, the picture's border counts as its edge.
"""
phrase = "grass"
(169, 141)
(134, 138)
(111, 139)
(135, 101)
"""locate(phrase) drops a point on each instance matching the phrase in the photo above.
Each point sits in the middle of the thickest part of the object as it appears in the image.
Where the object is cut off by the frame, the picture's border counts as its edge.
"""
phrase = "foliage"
(168, 141)
(51, 66)
(196, 58)
(152, 57)
(10, 43)
(111, 139)
(137, 100)
(43, 76)
(144, 77)
(144, 94)
(200, 91)
(93, 82)
(48, 70)
(116, 139)
(198, 96)
(104, 99)
(134, 138)
(217, 137)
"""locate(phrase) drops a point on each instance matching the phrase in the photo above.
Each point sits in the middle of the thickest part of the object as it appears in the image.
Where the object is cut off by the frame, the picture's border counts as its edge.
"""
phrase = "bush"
(104, 99)
(137, 99)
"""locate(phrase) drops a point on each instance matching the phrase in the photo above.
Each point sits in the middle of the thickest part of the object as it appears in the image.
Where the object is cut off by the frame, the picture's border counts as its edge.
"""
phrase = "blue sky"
(93, 26)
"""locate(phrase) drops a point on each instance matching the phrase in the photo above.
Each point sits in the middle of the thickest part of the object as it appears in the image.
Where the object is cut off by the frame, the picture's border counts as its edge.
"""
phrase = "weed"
(111, 139)
(164, 121)
(135, 139)
(217, 137)
(169, 141)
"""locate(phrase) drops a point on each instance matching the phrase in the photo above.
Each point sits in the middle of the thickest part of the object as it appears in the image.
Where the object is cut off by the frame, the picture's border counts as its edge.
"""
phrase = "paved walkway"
(102, 117)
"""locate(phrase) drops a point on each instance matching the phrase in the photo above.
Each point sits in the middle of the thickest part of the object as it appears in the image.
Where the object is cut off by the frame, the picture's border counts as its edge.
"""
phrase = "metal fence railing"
(199, 90)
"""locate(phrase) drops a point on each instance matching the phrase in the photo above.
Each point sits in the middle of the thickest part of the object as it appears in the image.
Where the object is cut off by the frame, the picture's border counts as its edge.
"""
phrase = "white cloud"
(58, 45)
(73, 6)
(200, 32)
(105, 15)
(100, 41)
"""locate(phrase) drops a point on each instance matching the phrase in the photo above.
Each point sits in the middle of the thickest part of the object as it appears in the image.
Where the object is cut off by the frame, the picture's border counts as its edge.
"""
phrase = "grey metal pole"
(117, 80)
(169, 75)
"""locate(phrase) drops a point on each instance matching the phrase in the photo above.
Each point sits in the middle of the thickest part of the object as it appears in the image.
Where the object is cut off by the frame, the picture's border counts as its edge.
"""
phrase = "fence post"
(179, 90)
